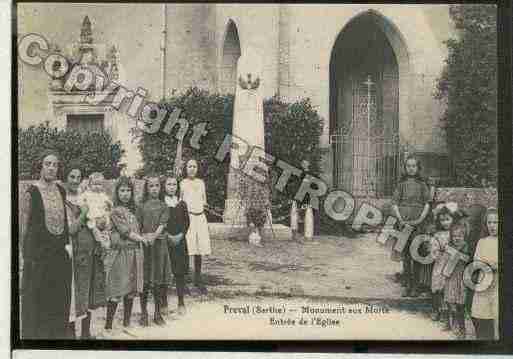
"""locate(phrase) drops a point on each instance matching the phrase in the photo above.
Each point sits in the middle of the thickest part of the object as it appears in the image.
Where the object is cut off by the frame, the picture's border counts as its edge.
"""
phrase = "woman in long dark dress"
(47, 271)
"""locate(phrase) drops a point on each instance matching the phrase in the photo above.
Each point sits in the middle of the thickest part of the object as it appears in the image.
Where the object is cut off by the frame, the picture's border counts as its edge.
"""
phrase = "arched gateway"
(368, 70)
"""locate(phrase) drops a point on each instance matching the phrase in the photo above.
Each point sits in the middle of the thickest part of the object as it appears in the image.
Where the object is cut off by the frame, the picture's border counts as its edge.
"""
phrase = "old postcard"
(257, 171)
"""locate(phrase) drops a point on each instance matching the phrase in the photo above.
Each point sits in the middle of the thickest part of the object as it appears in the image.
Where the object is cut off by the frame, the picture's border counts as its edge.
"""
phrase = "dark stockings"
(484, 328)
(460, 317)
(111, 310)
(437, 298)
(410, 273)
(127, 310)
(144, 307)
(70, 329)
(197, 270)
(164, 297)
(86, 326)
(180, 285)
(158, 298)
(187, 262)
(457, 317)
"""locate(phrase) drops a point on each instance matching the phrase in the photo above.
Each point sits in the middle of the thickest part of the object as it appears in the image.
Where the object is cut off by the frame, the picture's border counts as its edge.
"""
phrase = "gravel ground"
(336, 272)
(329, 266)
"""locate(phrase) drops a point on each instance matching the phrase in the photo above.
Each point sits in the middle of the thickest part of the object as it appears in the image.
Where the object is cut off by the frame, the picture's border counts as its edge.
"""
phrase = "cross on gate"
(369, 83)
(368, 175)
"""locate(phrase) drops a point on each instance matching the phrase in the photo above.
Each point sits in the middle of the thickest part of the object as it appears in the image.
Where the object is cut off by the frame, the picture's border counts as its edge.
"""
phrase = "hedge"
(90, 151)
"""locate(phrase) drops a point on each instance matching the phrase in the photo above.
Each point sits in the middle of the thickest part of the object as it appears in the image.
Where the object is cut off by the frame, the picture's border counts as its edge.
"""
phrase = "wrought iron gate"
(366, 166)
(366, 147)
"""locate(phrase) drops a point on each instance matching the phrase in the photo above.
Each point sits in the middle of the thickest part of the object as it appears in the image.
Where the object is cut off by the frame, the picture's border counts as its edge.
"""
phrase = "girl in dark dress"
(124, 260)
(153, 217)
(410, 204)
(176, 227)
(47, 270)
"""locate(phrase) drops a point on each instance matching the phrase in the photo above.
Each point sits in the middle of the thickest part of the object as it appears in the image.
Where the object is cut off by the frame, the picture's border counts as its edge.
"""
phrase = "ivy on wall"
(469, 86)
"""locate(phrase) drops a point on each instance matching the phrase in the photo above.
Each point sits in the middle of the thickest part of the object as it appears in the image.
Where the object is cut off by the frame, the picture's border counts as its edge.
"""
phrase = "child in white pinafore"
(193, 193)
(445, 215)
(485, 304)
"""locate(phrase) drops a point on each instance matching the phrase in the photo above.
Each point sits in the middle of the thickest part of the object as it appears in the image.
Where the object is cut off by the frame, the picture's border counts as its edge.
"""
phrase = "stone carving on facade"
(85, 53)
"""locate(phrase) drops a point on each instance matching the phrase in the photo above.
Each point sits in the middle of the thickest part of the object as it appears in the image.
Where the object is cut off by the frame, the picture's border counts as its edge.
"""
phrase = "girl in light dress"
(454, 287)
(485, 305)
(445, 215)
(193, 193)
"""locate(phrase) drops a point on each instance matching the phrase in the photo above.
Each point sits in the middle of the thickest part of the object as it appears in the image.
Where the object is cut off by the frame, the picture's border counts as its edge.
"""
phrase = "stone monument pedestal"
(244, 192)
(235, 226)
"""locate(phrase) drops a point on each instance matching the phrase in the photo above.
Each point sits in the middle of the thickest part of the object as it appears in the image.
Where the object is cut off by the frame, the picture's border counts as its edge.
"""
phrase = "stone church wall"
(258, 28)
(306, 62)
(296, 42)
(310, 43)
(297, 48)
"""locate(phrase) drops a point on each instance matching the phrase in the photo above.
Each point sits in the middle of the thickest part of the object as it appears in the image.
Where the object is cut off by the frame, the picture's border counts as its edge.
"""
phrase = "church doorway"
(230, 56)
(364, 108)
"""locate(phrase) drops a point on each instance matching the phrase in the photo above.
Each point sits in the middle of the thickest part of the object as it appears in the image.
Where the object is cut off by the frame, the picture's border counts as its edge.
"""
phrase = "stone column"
(248, 125)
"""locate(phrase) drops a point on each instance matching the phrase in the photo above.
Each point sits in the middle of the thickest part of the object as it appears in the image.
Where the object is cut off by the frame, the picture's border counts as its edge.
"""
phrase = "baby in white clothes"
(96, 205)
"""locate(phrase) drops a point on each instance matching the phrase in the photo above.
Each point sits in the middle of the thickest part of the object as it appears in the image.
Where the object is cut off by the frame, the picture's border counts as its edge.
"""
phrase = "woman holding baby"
(107, 253)
(88, 276)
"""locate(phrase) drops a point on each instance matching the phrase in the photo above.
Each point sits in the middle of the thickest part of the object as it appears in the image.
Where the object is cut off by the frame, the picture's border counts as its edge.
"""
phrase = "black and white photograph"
(222, 171)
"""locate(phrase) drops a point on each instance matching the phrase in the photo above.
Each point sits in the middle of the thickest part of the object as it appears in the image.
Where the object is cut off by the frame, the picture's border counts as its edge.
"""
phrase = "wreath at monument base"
(256, 202)
(257, 216)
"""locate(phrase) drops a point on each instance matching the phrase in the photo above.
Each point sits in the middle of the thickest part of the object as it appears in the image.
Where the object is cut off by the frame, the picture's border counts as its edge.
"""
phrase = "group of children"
(144, 246)
(168, 226)
(413, 203)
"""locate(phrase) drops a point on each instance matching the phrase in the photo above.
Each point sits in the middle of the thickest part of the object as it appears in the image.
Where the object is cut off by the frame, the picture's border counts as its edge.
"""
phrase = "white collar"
(171, 201)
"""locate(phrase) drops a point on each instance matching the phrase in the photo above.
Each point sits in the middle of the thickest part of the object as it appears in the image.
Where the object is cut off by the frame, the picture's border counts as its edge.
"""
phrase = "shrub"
(469, 85)
(91, 151)
(158, 150)
(292, 134)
